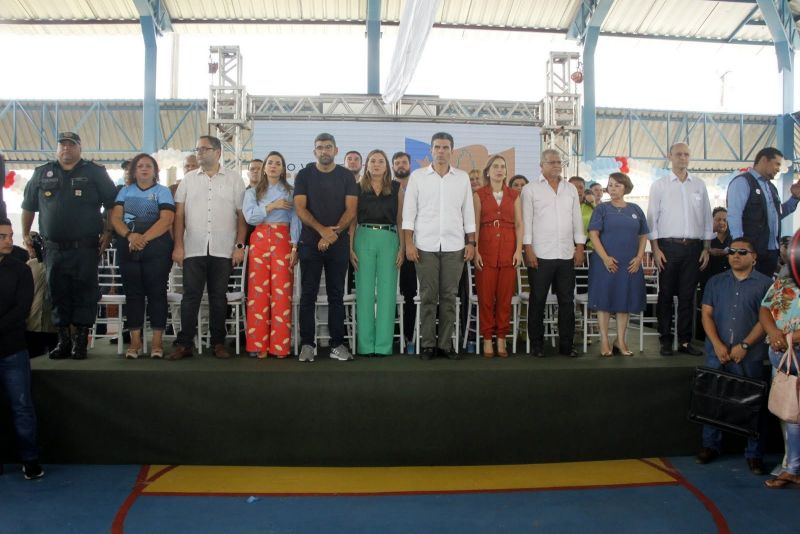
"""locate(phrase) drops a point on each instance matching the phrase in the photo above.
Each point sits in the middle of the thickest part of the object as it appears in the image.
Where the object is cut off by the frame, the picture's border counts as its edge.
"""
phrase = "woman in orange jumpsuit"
(499, 235)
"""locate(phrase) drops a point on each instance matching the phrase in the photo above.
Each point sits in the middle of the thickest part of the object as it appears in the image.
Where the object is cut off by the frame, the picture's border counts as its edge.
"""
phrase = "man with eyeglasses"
(209, 231)
(553, 242)
(681, 230)
(734, 336)
(325, 199)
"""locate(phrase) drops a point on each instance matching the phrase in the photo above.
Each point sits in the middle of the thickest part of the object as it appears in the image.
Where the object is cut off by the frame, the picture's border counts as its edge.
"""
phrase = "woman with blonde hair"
(273, 252)
(376, 254)
(498, 210)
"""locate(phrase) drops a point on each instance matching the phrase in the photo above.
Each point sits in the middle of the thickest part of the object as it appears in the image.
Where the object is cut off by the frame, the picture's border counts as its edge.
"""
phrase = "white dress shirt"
(679, 210)
(210, 204)
(553, 223)
(438, 209)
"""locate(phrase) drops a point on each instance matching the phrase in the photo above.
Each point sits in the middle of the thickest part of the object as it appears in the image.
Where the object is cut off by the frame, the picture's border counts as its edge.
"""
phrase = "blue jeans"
(15, 382)
(753, 367)
(792, 430)
(334, 261)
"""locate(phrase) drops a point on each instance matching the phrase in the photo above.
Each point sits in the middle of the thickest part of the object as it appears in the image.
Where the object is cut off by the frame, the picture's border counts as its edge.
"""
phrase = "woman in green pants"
(376, 254)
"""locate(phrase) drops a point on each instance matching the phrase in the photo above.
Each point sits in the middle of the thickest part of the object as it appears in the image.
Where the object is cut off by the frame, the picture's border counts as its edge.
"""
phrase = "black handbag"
(729, 402)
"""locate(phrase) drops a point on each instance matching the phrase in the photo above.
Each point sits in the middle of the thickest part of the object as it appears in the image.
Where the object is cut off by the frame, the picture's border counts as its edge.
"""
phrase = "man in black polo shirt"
(68, 194)
(325, 198)
(16, 296)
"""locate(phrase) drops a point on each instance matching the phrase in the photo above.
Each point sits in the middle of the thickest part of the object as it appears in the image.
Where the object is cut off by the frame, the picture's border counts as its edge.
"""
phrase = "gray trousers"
(438, 274)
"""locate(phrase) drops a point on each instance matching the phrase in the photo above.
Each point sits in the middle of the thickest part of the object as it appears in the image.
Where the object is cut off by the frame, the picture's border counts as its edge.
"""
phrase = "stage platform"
(397, 410)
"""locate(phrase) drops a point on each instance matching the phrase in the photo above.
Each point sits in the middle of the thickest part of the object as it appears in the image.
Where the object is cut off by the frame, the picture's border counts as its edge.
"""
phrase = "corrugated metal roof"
(687, 19)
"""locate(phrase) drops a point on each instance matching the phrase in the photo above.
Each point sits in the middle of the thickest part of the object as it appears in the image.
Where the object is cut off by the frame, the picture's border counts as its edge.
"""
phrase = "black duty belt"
(89, 242)
(678, 241)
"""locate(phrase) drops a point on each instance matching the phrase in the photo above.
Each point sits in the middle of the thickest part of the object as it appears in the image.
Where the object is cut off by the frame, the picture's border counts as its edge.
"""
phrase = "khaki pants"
(438, 274)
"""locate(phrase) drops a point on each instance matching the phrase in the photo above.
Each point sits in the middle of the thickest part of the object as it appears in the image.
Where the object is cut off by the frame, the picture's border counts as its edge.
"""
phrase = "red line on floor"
(716, 514)
(395, 493)
(117, 527)
(161, 473)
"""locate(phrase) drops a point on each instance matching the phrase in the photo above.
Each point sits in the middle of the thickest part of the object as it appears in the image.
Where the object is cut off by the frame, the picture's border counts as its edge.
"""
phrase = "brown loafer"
(180, 353)
(221, 352)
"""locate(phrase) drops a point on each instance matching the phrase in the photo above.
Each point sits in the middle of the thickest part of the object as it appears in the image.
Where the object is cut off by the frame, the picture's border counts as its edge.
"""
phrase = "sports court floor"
(639, 495)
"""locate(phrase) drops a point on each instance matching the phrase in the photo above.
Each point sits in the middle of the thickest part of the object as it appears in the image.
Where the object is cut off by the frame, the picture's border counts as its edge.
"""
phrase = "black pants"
(198, 272)
(767, 262)
(408, 288)
(145, 275)
(560, 274)
(335, 261)
(72, 283)
(679, 278)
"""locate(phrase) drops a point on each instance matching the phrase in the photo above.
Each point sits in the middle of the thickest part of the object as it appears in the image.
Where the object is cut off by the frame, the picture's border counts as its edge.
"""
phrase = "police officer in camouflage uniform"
(68, 194)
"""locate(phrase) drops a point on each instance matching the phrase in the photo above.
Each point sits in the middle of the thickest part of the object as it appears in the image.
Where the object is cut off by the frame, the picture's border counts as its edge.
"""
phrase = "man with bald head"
(681, 230)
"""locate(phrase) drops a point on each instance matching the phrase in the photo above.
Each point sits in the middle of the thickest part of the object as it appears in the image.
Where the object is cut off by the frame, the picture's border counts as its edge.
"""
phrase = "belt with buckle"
(681, 241)
(89, 242)
(390, 227)
(497, 223)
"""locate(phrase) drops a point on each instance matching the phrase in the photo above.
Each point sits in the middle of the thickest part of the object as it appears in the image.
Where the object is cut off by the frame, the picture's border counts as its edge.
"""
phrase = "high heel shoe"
(502, 350)
(488, 349)
(605, 354)
(616, 350)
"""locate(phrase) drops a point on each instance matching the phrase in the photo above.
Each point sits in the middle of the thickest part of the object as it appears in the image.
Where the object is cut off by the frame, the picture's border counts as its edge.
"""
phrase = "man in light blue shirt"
(754, 208)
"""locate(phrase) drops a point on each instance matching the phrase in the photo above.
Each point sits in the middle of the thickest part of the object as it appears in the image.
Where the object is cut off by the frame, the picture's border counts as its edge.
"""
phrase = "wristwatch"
(240, 246)
(745, 345)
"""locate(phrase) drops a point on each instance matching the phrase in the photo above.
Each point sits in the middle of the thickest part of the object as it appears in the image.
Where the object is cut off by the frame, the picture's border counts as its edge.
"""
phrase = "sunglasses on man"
(739, 251)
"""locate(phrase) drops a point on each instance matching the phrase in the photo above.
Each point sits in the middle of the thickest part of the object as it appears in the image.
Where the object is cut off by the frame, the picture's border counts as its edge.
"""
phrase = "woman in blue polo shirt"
(142, 218)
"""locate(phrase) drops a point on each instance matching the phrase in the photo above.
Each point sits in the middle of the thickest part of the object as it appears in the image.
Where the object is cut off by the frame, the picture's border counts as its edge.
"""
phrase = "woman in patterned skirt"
(273, 253)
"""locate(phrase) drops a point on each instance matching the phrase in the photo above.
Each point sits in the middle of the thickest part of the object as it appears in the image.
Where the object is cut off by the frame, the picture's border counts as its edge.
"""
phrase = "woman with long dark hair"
(142, 219)
(377, 254)
(273, 253)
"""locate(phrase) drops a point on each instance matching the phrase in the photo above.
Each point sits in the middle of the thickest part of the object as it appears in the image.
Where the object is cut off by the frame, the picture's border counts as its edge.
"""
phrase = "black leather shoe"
(453, 355)
(572, 353)
(537, 352)
(80, 343)
(689, 349)
(756, 466)
(706, 455)
(428, 353)
(666, 350)
(63, 349)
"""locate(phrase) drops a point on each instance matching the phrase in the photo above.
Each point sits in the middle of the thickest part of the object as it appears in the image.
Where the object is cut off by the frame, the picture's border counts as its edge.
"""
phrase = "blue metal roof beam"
(158, 10)
(585, 28)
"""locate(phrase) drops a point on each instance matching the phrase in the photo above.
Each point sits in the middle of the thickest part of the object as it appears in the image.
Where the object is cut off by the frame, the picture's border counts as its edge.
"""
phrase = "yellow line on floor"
(355, 480)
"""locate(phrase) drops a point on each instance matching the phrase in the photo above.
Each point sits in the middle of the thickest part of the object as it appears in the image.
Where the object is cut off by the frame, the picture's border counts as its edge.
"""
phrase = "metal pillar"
(780, 21)
(586, 29)
(374, 47)
(149, 104)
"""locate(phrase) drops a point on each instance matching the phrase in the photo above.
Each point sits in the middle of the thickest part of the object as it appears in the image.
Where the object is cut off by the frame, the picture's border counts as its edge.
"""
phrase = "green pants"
(376, 289)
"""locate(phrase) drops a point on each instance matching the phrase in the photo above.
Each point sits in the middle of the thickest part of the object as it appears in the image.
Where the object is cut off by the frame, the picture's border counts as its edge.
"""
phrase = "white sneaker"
(341, 353)
(306, 354)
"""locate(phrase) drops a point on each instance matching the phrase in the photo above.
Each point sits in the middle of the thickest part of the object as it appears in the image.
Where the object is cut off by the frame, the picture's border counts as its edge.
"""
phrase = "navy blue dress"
(619, 229)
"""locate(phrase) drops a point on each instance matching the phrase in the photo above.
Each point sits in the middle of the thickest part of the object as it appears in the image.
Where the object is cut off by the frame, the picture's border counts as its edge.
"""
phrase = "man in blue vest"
(755, 210)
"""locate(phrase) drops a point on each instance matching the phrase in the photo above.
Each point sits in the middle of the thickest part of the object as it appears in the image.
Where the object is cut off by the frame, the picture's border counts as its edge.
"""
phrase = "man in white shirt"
(681, 230)
(553, 242)
(209, 236)
(437, 215)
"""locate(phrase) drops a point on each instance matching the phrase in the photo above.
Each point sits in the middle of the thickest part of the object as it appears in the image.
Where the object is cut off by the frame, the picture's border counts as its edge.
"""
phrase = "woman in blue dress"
(618, 231)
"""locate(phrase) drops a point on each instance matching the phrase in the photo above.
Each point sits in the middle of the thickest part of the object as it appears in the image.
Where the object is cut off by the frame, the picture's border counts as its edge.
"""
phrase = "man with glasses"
(553, 241)
(734, 336)
(68, 194)
(325, 199)
(209, 231)
(681, 230)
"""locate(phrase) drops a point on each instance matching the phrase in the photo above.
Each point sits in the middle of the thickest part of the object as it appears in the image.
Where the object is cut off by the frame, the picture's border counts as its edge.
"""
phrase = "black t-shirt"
(325, 196)
(69, 202)
(378, 209)
(16, 297)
